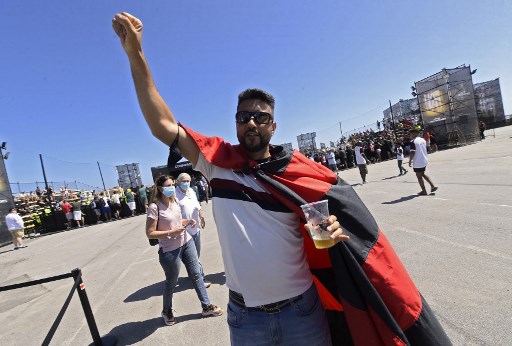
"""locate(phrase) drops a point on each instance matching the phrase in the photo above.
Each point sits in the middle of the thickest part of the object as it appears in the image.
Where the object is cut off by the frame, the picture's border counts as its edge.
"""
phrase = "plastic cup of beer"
(316, 214)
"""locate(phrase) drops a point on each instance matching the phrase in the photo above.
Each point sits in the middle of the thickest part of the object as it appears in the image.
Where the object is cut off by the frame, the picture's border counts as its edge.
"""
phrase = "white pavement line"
(497, 205)
(112, 287)
(146, 260)
(441, 199)
(468, 247)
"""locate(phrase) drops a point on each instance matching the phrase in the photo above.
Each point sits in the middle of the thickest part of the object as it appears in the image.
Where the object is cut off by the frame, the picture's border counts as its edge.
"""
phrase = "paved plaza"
(456, 245)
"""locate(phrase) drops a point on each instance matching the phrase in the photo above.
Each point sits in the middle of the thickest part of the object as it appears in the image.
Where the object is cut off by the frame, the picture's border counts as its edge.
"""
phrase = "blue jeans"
(171, 263)
(303, 322)
(197, 241)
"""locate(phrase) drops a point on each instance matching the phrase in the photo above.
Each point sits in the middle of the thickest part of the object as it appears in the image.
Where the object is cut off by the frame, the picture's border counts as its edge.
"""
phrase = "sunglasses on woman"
(260, 118)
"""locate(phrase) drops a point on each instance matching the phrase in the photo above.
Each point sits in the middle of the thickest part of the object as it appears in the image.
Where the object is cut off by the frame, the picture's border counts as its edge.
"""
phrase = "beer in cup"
(316, 214)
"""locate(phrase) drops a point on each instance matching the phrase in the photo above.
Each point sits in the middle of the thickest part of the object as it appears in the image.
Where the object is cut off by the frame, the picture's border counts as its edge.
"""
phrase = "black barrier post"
(78, 285)
(80, 288)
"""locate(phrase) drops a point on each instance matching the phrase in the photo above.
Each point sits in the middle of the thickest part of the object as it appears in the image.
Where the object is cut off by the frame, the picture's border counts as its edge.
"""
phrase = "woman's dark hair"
(257, 94)
(159, 182)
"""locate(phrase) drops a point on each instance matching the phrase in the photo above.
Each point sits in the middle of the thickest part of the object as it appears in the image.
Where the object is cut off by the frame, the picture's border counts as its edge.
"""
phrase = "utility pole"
(392, 118)
(101, 175)
(44, 173)
(49, 198)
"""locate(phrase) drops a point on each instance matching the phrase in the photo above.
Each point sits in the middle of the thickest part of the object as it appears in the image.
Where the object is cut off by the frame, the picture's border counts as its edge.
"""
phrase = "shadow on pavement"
(183, 284)
(402, 199)
(6, 250)
(217, 278)
(134, 332)
(392, 177)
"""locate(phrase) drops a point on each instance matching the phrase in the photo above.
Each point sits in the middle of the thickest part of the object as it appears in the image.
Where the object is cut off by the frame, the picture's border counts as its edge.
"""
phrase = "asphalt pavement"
(456, 245)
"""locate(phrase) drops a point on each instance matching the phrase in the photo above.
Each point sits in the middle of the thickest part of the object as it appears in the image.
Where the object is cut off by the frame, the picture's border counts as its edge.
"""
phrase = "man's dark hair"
(257, 94)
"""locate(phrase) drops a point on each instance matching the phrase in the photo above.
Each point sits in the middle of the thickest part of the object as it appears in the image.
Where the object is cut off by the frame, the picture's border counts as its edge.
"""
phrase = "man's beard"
(254, 146)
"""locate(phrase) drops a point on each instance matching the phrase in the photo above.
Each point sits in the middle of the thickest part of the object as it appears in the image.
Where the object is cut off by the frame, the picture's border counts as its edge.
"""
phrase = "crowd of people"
(47, 210)
(376, 146)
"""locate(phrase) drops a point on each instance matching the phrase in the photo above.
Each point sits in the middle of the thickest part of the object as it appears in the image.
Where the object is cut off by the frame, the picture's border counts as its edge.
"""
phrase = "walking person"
(66, 209)
(143, 195)
(361, 161)
(419, 159)
(164, 222)
(77, 214)
(482, 127)
(191, 209)
(433, 141)
(280, 285)
(130, 200)
(105, 207)
(399, 151)
(331, 160)
(115, 204)
(16, 226)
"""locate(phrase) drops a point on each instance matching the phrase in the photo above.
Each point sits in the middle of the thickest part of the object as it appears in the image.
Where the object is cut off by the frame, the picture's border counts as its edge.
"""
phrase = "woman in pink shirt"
(164, 223)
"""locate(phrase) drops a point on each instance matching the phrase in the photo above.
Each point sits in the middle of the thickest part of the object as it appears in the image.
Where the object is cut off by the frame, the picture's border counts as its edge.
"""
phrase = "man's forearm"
(156, 112)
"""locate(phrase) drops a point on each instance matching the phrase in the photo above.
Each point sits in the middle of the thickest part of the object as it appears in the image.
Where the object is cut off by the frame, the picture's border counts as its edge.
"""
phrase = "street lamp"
(3, 174)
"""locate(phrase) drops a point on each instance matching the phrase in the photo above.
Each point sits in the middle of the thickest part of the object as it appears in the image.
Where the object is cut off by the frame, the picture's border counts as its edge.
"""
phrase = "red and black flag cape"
(369, 297)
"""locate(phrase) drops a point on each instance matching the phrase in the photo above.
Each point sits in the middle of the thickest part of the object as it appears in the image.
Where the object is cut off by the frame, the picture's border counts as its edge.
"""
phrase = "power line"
(77, 163)
(354, 117)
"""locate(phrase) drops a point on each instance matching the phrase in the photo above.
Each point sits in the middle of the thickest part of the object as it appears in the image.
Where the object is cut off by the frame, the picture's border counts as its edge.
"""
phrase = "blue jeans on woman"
(303, 322)
(171, 263)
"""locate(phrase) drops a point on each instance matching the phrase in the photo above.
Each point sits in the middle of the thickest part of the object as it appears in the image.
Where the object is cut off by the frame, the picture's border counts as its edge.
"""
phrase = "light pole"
(101, 175)
(3, 174)
(392, 118)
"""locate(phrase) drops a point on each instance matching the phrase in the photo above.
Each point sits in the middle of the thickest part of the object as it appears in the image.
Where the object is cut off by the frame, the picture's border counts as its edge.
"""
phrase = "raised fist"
(129, 30)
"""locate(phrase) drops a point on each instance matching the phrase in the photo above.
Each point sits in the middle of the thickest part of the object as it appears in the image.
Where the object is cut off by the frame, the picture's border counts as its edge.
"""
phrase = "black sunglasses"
(260, 118)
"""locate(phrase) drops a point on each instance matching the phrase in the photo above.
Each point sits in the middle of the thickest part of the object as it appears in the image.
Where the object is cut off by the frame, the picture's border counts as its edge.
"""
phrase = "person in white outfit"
(419, 160)
(191, 209)
(16, 226)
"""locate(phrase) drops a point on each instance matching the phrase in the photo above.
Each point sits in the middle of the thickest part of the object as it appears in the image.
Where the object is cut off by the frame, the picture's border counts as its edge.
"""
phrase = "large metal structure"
(129, 175)
(307, 142)
(489, 102)
(403, 109)
(447, 105)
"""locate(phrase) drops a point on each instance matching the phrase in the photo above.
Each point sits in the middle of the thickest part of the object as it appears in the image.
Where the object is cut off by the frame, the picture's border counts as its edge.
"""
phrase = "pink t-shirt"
(169, 216)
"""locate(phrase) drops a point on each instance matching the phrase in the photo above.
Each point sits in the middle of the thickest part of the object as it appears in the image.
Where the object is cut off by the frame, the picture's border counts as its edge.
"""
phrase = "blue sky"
(67, 91)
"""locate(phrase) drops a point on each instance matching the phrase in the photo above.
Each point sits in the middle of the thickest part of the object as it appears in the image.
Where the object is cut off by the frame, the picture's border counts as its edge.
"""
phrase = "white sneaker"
(212, 310)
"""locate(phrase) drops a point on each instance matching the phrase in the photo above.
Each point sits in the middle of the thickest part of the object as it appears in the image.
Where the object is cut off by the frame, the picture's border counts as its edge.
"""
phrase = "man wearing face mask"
(191, 209)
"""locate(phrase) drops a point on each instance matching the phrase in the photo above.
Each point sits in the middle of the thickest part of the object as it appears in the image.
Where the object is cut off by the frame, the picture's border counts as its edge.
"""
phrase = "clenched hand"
(129, 30)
